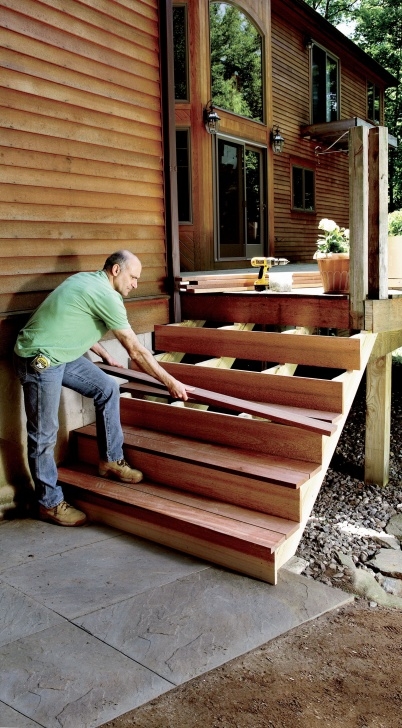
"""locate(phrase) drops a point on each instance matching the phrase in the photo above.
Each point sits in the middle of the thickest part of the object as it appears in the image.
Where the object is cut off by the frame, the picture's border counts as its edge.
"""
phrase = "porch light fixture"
(277, 140)
(211, 118)
(308, 42)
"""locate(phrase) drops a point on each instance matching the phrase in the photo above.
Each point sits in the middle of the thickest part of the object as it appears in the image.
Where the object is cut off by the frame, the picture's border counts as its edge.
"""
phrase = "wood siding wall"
(296, 232)
(81, 147)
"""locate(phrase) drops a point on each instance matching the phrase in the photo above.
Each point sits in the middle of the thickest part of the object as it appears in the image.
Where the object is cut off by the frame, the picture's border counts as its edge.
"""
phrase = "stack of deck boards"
(234, 282)
(235, 483)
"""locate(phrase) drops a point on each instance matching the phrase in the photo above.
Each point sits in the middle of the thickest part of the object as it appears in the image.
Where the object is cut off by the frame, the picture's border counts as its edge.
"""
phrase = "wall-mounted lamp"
(308, 42)
(277, 140)
(211, 118)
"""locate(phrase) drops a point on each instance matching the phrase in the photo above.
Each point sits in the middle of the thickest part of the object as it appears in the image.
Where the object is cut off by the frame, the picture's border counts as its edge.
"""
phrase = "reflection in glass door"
(239, 213)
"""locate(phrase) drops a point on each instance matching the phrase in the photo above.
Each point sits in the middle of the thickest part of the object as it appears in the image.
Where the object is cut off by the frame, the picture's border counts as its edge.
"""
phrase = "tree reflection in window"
(236, 62)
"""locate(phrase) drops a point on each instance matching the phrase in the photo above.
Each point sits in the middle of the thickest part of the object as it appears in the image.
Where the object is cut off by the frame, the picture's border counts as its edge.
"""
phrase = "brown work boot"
(119, 470)
(63, 515)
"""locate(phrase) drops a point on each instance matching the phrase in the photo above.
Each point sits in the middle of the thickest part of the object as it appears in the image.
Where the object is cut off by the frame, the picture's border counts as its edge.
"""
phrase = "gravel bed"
(346, 504)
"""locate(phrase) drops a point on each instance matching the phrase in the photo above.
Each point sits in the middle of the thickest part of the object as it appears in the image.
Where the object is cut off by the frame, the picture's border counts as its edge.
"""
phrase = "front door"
(239, 200)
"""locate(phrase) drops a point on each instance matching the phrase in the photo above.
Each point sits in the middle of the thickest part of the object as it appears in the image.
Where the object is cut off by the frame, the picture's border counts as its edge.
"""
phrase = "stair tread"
(240, 523)
(287, 472)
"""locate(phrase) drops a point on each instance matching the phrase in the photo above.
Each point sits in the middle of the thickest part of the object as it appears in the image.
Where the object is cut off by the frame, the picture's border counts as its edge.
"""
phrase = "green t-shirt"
(73, 318)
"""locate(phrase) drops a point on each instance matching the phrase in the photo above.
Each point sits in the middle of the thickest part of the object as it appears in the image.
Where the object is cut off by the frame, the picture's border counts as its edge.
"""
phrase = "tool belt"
(40, 362)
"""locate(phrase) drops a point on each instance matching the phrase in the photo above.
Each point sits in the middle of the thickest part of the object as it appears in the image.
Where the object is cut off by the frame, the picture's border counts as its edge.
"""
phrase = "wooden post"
(379, 371)
(358, 223)
(378, 420)
(378, 213)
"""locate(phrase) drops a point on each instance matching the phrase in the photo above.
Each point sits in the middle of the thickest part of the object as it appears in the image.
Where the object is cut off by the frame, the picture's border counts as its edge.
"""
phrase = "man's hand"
(143, 360)
(178, 390)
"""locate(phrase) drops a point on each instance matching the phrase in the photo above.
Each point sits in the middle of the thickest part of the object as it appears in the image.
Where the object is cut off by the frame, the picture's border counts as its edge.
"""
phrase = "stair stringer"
(311, 488)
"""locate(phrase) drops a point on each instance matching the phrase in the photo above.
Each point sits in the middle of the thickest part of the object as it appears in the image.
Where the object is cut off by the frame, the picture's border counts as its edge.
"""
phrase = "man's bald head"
(121, 258)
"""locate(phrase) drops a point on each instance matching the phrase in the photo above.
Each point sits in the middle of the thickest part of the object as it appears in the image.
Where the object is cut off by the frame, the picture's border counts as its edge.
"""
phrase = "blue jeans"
(42, 391)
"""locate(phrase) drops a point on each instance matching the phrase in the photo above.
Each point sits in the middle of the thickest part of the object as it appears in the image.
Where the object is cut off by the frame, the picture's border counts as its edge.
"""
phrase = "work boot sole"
(49, 519)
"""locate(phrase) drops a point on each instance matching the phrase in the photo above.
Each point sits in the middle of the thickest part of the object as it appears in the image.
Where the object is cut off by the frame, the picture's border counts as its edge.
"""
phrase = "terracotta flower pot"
(334, 270)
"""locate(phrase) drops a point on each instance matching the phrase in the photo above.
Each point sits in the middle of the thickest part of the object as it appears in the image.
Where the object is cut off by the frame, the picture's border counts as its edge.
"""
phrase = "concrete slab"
(64, 677)
(12, 719)
(185, 628)
(21, 616)
(95, 623)
(101, 573)
(24, 541)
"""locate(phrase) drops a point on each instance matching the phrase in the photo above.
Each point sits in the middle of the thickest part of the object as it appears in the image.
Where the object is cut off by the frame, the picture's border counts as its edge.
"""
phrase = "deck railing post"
(378, 213)
(379, 371)
(358, 223)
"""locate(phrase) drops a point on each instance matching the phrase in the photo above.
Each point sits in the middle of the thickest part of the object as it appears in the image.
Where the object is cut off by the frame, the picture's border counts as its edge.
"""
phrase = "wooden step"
(236, 538)
(295, 391)
(319, 351)
(190, 469)
(284, 415)
(224, 429)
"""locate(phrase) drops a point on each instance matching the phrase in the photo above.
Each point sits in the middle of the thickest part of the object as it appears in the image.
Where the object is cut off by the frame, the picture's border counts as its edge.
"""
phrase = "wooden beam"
(378, 213)
(378, 420)
(319, 351)
(290, 309)
(383, 316)
(358, 224)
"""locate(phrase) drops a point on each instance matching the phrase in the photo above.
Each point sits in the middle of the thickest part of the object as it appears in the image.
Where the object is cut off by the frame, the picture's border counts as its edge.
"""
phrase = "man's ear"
(115, 270)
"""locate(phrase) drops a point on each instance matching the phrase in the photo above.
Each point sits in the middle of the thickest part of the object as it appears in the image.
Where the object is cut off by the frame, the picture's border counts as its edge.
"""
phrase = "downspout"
(169, 156)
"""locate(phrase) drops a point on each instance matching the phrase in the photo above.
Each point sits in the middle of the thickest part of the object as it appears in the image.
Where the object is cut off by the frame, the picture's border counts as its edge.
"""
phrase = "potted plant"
(395, 249)
(332, 256)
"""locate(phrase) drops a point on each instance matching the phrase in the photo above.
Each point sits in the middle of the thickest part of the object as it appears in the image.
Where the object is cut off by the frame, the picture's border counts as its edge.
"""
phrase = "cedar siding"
(81, 149)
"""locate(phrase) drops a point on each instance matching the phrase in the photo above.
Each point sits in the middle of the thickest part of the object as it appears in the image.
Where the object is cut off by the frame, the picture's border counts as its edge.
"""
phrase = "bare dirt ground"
(342, 670)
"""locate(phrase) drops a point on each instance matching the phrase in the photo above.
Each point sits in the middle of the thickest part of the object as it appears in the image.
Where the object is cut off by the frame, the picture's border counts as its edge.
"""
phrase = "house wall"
(81, 173)
(296, 232)
(284, 24)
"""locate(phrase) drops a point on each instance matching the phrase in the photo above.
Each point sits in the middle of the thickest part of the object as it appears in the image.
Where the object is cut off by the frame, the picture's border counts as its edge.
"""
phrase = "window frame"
(187, 64)
(336, 59)
(375, 88)
(305, 167)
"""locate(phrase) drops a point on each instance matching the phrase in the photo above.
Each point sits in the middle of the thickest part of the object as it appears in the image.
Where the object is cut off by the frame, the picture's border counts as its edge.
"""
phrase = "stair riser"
(256, 435)
(230, 488)
(255, 561)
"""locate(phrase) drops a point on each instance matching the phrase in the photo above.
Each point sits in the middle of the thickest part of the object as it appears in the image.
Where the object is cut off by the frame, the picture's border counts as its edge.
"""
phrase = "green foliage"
(395, 223)
(236, 61)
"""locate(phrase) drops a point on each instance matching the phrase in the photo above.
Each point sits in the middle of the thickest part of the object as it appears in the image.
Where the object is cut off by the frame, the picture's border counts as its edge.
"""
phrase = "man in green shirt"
(49, 353)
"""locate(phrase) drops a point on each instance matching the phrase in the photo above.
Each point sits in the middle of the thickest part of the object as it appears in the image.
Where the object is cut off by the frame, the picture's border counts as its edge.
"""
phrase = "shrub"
(395, 223)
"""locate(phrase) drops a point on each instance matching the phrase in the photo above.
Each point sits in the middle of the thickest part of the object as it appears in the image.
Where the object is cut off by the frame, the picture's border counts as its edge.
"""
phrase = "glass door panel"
(254, 204)
(231, 199)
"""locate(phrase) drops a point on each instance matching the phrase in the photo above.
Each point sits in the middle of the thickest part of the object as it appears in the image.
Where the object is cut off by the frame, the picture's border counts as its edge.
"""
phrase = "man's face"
(126, 278)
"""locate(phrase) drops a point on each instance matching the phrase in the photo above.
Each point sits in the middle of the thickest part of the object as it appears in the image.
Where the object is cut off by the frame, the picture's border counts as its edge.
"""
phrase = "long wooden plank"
(287, 417)
(324, 351)
(238, 490)
(137, 389)
(219, 508)
(320, 394)
(296, 308)
(256, 435)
